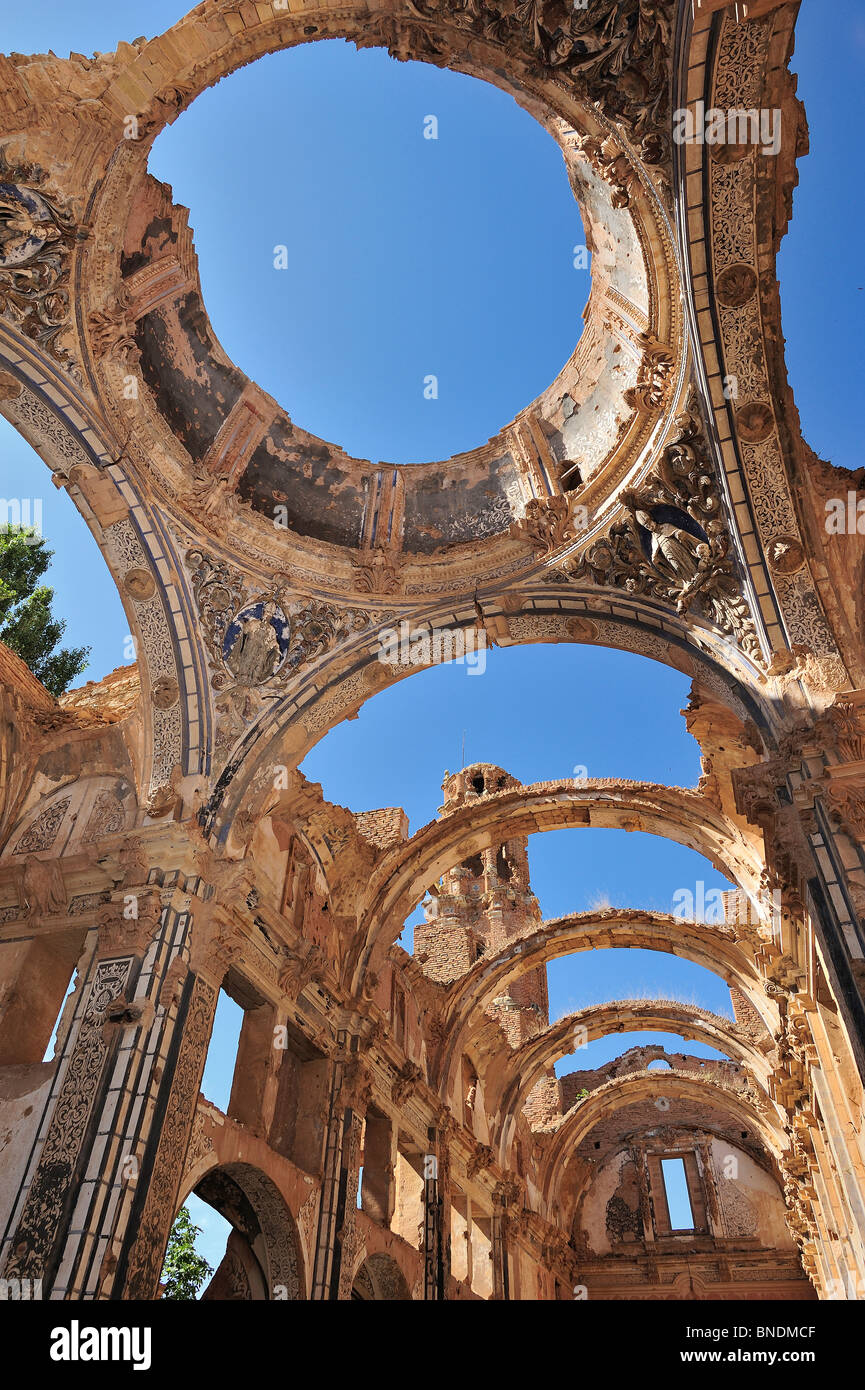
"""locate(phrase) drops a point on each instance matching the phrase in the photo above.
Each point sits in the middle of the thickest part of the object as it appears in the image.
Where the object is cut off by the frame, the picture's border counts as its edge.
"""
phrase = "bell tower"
(482, 904)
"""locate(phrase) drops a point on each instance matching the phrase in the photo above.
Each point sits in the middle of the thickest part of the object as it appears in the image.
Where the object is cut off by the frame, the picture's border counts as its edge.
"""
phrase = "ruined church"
(396, 1128)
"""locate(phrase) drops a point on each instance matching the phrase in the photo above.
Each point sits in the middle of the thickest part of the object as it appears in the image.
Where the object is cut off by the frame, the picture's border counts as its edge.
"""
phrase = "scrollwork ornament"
(616, 52)
(36, 238)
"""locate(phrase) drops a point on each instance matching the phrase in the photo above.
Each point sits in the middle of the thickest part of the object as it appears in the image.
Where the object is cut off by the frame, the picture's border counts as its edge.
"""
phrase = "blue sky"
(454, 257)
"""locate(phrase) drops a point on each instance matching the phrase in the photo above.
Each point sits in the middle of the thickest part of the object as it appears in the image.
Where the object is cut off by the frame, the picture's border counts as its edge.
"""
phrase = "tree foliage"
(27, 624)
(184, 1270)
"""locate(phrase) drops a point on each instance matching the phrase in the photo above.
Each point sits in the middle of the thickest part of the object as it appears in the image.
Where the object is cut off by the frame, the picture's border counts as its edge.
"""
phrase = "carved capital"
(128, 923)
(482, 1158)
(356, 1090)
(376, 574)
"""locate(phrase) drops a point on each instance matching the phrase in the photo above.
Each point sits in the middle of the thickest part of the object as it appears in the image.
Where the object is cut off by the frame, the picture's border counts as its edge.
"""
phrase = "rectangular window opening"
(222, 1052)
(676, 1189)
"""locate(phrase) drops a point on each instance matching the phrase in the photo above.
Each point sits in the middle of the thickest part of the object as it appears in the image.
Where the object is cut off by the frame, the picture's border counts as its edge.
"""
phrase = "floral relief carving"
(42, 832)
(259, 640)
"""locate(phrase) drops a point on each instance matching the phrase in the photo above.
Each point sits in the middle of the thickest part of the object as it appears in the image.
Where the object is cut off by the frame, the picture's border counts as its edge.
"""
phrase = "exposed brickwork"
(383, 828)
(17, 676)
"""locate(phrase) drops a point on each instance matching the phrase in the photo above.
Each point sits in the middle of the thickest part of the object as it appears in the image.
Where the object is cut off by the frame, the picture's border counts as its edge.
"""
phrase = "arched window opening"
(248, 1237)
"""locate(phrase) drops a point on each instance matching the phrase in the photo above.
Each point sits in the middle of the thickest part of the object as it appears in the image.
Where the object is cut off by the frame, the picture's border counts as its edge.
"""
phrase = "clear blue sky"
(454, 257)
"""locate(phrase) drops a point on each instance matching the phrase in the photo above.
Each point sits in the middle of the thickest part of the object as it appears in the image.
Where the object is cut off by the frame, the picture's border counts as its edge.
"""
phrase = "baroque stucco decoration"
(36, 237)
(675, 545)
(158, 843)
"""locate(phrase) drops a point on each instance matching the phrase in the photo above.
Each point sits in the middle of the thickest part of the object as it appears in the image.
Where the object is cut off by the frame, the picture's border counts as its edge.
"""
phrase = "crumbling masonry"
(157, 844)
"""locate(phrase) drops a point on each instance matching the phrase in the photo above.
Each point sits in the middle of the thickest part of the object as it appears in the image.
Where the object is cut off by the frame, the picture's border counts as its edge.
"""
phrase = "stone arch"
(579, 100)
(257, 1211)
(380, 1279)
(756, 1114)
(621, 218)
(510, 1077)
(712, 947)
(63, 429)
(402, 876)
(545, 614)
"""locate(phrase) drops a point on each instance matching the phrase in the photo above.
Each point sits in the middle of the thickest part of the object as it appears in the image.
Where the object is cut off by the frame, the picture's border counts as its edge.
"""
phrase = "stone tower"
(480, 905)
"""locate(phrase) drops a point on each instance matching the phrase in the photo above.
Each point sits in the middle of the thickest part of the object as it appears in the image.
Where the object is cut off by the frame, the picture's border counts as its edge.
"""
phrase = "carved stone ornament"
(846, 798)
(785, 554)
(128, 925)
(259, 640)
(140, 584)
(164, 108)
(303, 969)
(356, 1090)
(164, 692)
(654, 376)
(41, 891)
(40, 1221)
(736, 285)
(615, 52)
(482, 1158)
(673, 544)
(613, 165)
(376, 574)
(405, 1083)
(547, 525)
(36, 237)
(843, 727)
(112, 330)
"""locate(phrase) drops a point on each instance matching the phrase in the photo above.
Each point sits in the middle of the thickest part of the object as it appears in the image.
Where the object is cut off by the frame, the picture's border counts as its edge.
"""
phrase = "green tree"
(184, 1270)
(27, 624)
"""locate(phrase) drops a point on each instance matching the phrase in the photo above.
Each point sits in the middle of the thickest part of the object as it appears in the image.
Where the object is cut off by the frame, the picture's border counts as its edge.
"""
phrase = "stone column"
(186, 1006)
(810, 806)
(499, 1240)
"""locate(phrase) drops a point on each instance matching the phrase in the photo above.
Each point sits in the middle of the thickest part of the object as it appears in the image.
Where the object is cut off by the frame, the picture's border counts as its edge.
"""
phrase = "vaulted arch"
(403, 875)
(617, 1095)
(715, 948)
(509, 1077)
(266, 1230)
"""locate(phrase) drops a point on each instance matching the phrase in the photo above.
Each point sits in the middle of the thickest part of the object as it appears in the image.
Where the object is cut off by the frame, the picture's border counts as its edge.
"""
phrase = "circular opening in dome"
(391, 251)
